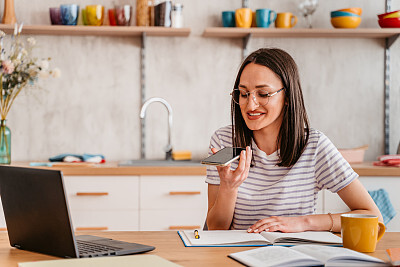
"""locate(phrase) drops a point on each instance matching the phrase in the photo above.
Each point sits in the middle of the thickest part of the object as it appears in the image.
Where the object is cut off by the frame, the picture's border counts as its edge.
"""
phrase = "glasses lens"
(262, 97)
(241, 97)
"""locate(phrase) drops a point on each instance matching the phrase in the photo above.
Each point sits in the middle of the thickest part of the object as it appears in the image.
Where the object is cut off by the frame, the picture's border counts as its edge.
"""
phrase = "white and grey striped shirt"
(270, 190)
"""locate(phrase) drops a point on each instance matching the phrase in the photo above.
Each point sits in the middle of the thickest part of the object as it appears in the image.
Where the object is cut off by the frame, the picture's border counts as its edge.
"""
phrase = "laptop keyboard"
(87, 249)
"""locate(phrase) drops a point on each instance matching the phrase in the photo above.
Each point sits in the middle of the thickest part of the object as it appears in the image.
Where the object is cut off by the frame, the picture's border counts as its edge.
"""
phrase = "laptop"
(38, 219)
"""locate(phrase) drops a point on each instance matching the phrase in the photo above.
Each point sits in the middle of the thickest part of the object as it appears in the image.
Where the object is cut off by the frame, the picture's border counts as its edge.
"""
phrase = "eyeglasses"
(260, 96)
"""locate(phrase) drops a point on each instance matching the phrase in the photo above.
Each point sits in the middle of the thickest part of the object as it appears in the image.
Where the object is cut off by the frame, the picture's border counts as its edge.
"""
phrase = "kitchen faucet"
(168, 148)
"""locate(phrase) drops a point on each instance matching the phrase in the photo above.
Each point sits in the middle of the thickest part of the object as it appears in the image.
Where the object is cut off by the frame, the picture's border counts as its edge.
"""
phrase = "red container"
(111, 17)
(389, 23)
(381, 16)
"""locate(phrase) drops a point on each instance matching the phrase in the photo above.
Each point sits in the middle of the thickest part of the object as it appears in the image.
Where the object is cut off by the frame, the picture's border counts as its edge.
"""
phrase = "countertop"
(112, 168)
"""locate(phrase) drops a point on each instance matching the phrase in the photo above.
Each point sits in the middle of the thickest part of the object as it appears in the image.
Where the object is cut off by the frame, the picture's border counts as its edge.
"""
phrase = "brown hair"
(294, 131)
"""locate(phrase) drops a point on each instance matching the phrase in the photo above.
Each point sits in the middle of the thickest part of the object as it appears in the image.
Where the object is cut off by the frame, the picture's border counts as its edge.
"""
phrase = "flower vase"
(5, 143)
(9, 12)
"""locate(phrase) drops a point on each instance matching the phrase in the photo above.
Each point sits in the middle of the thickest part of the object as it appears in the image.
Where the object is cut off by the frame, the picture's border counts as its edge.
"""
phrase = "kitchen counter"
(112, 168)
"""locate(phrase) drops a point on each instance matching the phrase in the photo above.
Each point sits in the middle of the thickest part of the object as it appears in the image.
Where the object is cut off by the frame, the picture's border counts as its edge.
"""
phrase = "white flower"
(2, 34)
(56, 73)
(24, 53)
(44, 65)
(31, 41)
(43, 74)
(16, 62)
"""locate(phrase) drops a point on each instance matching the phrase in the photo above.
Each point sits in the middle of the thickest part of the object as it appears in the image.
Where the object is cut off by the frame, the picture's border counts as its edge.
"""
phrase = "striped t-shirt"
(270, 190)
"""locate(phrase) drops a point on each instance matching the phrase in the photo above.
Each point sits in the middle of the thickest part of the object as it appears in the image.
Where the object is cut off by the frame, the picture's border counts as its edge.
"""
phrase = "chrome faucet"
(168, 148)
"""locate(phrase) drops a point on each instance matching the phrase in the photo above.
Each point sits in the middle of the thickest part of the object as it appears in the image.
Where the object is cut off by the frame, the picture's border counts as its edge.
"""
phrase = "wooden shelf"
(120, 31)
(222, 32)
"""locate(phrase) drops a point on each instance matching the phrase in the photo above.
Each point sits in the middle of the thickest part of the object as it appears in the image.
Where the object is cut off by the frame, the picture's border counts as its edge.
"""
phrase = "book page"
(335, 254)
(225, 237)
(310, 236)
(274, 256)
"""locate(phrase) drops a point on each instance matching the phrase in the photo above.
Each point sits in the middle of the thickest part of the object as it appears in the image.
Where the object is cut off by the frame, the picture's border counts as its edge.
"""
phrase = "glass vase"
(5, 143)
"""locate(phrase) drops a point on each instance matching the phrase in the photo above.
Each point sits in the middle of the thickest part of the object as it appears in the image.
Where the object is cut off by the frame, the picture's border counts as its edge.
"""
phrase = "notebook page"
(312, 236)
(274, 256)
(221, 237)
(325, 253)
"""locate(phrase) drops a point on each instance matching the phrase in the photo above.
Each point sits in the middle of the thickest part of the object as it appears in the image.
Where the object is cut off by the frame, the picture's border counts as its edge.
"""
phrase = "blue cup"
(228, 19)
(264, 17)
(69, 14)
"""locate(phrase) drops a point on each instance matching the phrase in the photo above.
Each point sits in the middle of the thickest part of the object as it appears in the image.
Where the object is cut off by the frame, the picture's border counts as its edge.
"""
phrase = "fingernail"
(256, 230)
(249, 230)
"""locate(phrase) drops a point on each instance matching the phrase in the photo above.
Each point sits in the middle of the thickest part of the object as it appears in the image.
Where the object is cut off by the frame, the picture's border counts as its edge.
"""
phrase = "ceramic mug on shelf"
(69, 14)
(361, 232)
(243, 17)
(94, 15)
(285, 20)
(55, 16)
(228, 19)
(123, 15)
(264, 17)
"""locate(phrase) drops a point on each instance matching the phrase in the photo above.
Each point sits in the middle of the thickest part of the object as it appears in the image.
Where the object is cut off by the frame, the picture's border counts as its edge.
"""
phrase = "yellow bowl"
(354, 10)
(346, 22)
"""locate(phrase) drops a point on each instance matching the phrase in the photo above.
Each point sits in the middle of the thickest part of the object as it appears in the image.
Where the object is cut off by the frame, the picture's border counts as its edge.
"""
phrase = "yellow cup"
(285, 20)
(361, 232)
(243, 17)
(94, 15)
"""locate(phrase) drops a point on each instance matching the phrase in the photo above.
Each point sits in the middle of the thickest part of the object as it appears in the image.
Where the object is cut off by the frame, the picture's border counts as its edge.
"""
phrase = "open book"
(233, 238)
(305, 255)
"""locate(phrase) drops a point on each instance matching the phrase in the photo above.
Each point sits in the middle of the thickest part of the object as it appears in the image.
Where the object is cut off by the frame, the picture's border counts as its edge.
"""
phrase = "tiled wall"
(94, 107)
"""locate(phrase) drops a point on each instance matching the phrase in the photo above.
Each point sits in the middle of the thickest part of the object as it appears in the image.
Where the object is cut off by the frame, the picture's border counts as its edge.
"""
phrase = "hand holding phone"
(223, 157)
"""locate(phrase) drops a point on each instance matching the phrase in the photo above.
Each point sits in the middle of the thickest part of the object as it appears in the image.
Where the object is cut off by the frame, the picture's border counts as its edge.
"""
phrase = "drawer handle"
(3, 229)
(185, 193)
(92, 193)
(99, 228)
(185, 227)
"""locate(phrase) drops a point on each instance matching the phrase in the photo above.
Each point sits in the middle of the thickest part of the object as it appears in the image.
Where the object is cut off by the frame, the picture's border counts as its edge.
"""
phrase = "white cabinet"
(172, 202)
(334, 204)
(103, 202)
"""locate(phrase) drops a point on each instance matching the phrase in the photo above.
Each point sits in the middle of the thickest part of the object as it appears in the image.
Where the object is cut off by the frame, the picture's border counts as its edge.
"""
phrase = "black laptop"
(37, 217)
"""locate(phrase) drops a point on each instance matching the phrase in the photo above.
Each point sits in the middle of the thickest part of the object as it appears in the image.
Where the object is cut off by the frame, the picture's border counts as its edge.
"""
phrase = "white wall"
(94, 107)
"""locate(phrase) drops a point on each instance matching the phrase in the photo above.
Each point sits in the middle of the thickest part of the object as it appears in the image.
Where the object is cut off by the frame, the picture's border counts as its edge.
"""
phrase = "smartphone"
(223, 157)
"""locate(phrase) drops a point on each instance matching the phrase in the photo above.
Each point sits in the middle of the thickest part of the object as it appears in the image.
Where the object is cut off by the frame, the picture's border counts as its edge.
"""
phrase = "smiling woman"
(274, 185)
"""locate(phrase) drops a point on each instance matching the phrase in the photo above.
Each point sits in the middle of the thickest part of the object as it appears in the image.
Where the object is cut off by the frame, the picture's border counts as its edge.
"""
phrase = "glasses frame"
(254, 97)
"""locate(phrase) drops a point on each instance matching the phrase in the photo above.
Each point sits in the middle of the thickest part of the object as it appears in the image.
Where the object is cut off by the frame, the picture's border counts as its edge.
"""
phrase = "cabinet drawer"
(157, 220)
(173, 192)
(102, 192)
(106, 220)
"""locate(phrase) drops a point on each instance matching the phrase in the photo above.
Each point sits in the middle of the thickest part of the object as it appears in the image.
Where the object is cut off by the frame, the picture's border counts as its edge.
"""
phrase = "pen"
(196, 234)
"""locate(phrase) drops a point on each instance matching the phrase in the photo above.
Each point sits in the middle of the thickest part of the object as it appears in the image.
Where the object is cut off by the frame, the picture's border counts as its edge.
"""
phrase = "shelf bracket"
(143, 95)
(390, 40)
(246, 40)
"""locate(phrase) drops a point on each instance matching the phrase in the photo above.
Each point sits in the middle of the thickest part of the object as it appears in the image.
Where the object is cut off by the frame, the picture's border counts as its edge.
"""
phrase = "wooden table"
(169, 246)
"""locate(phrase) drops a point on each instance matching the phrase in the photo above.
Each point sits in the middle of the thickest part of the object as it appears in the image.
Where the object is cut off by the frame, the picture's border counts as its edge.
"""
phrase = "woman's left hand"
(278, 223)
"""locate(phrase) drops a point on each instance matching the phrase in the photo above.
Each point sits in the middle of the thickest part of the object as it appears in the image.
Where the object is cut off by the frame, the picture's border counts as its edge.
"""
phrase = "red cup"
(111, 17)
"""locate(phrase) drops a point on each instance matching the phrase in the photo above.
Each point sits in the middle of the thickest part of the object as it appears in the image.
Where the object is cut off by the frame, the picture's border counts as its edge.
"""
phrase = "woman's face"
(257, 117)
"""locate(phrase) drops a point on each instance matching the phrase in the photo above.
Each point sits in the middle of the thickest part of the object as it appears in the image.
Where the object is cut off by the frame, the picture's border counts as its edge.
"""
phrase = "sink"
(150, 162)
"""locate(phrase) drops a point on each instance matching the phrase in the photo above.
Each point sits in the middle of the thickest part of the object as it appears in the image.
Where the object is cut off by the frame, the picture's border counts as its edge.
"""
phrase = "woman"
(274, 185)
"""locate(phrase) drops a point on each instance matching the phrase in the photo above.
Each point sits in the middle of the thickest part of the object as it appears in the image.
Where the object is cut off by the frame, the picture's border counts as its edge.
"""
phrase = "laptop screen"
(36, 211)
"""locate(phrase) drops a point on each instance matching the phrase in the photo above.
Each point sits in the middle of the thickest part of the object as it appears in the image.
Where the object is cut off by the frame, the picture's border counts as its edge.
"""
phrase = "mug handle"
(381, 231)
(272, 20)
(292, 24)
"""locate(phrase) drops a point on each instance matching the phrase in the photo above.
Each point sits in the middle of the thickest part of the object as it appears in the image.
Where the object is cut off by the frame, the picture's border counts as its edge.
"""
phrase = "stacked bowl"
(389, 19)
(346, 18)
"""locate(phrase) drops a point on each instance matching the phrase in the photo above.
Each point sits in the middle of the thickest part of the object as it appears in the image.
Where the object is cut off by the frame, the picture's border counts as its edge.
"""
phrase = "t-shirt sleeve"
(218, 143)
(332, 171)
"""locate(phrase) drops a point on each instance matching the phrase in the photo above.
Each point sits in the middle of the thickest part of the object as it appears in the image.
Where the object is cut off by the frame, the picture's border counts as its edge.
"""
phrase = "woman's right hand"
(231, 180)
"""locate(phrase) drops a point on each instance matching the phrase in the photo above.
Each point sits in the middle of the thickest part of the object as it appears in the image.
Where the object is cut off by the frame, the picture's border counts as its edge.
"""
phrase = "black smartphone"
(223, 157)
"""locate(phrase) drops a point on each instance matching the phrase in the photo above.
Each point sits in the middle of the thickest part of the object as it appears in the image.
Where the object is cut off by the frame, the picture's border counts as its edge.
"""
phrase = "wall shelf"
(119, 31)
(224, 32)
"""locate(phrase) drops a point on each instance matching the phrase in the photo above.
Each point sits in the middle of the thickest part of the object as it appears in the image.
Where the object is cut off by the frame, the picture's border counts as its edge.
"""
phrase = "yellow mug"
(361, 232)
(285, 20)
(243, 17)
(94, 15)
